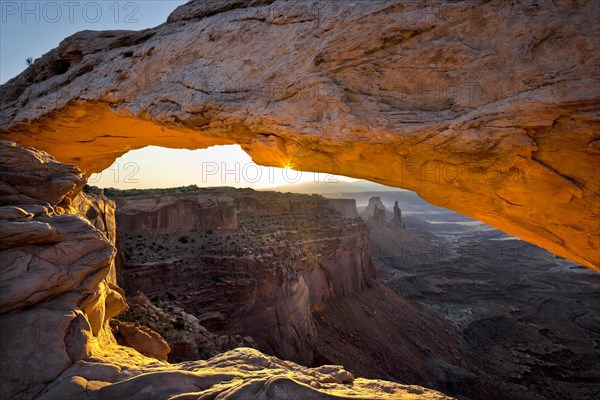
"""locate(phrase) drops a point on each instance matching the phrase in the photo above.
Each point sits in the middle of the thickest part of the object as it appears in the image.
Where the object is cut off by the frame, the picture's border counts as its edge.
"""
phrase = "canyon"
(526, 319)
(490, 109)
(475, 313)
(60, 291)
(291, 271)
(244, 262)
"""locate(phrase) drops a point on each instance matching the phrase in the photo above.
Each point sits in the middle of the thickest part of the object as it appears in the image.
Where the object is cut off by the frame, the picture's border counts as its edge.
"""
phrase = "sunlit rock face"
(141, 338)
(466, 103)
(243, 373)
(57, 286)
(58, 292)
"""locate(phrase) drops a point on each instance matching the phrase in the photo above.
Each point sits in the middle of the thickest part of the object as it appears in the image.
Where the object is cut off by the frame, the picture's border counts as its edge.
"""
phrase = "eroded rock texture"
(58, 293)
(487, 108)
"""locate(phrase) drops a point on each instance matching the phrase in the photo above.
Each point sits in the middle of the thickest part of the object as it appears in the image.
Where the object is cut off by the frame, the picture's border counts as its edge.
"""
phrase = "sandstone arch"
(488, 108)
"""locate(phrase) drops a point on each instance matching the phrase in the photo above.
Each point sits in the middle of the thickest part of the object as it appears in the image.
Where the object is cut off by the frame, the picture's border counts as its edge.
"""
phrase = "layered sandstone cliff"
(466, 103)
(58, 294)
(258, 264)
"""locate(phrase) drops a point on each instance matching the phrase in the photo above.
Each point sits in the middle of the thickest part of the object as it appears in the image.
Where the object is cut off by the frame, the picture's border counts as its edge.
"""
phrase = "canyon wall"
(166, 214)
(296, 276)
(58, 292)
(487, 108)
(344, 207)
(262, 274)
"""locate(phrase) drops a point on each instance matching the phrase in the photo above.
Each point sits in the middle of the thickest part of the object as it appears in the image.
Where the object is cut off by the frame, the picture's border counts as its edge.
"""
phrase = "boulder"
(141, 338)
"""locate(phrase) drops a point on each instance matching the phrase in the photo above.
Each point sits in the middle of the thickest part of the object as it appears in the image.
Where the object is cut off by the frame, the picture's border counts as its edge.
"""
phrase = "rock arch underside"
(496, 118)
(490, 109)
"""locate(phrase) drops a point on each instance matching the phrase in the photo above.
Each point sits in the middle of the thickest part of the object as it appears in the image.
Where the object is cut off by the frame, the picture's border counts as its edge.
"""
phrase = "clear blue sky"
(32, 28)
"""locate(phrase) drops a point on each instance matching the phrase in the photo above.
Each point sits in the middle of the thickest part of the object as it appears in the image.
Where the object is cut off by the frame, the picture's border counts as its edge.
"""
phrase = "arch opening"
(157, 167)
(513, 192)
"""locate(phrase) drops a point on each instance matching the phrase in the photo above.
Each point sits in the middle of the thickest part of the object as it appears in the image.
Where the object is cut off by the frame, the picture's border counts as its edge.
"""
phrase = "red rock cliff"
(261, 274)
